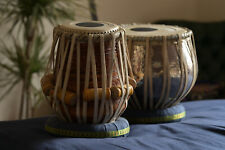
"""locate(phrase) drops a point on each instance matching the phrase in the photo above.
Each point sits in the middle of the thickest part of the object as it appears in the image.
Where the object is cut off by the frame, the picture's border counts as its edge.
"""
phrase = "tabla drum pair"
(164, 64)
(90, 77)
(88, 80)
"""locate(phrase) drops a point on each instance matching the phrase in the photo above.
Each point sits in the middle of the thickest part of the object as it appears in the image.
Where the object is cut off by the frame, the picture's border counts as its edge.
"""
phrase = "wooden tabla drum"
(88, 78)
(164, 63)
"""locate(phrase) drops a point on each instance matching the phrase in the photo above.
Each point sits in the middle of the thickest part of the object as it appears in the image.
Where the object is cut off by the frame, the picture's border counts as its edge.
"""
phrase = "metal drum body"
(164, 63)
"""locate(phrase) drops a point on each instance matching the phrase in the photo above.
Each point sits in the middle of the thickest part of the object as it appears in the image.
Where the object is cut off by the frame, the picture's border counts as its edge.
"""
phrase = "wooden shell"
(89, 68)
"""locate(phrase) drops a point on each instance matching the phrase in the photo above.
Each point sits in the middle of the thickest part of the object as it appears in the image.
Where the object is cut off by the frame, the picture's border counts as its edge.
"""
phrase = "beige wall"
(128, 11)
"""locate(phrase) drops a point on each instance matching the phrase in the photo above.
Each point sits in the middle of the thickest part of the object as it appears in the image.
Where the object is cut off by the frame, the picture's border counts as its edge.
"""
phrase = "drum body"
(87, 78)
(164, 63)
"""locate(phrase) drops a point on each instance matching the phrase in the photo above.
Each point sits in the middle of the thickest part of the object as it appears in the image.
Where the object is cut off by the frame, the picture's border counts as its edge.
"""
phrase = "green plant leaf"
(29, 57)
(7, 91)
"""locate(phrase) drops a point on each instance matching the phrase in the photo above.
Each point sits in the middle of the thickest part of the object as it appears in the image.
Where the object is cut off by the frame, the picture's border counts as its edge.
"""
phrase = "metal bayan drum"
(88, 78)
(164, 64)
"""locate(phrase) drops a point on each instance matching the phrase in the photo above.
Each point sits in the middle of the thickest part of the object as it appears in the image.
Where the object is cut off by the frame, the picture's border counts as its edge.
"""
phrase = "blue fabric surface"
(202, 129)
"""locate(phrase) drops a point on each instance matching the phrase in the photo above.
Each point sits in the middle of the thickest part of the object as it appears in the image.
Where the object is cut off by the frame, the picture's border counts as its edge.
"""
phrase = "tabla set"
(98, 71)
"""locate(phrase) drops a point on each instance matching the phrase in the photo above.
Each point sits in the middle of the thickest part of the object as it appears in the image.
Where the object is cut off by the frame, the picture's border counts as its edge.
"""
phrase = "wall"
(128, 11)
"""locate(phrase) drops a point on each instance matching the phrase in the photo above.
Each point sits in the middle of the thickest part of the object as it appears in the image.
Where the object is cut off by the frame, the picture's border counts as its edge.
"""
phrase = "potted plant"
(26, 57)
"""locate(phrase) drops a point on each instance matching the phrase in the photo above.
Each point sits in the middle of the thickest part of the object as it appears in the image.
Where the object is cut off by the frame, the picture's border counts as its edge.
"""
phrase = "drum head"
(154, 30)
(91, 27)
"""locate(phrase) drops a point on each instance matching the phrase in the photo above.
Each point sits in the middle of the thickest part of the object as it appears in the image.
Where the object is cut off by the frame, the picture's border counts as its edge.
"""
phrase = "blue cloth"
(202, 129)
